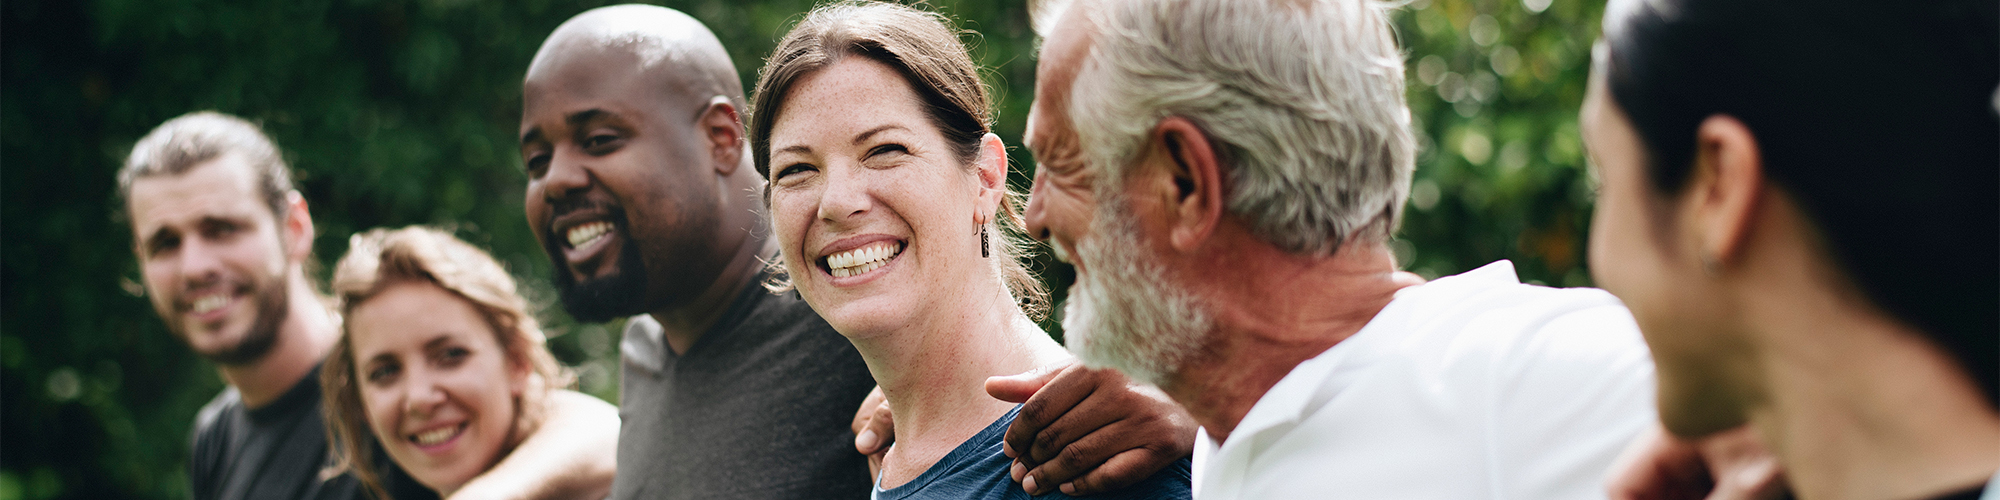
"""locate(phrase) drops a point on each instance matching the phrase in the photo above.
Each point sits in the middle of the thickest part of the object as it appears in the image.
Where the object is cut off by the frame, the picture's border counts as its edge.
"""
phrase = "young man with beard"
(1228, 207)
(641, 190)
(222, 239)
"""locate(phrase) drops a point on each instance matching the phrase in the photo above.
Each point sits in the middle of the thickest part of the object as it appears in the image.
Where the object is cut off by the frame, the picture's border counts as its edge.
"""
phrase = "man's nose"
(567, 174)
(1036, 215)
(199, 259)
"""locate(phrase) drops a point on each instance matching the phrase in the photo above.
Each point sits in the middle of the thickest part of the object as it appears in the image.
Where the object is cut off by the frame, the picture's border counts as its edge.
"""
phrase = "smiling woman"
(886, 188)
(440, 363)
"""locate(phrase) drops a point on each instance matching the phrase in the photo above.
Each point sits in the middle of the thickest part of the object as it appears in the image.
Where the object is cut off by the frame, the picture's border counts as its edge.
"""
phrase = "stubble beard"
(598, 300)
(273, 303)
(1125, 314)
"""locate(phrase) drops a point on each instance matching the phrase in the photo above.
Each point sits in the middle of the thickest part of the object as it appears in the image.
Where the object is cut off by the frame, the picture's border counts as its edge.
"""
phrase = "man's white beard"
(1123, 313)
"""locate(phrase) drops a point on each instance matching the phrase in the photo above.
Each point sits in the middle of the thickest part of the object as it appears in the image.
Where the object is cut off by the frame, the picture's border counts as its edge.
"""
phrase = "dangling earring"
(982, 242)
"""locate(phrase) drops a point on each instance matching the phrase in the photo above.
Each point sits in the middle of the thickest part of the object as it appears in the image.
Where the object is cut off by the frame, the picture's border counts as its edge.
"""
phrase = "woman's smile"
(858, 262)
(438, 440)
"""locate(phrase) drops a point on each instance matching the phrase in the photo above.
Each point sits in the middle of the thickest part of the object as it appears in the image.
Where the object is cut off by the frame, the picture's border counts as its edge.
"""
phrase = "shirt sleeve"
(1576, 391)
(206, 445)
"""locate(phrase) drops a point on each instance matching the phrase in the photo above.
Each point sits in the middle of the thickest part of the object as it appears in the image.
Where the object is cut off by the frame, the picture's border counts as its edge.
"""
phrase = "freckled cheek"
(791, 218)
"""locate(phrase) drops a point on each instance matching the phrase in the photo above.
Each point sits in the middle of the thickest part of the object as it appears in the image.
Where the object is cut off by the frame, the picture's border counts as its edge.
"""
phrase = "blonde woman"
(440, 365)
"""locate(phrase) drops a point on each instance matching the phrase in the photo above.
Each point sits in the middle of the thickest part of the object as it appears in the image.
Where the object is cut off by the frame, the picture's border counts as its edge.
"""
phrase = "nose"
(423, 394)
(845, 195)
(566, 175)
(1036, 215)
(198, 260)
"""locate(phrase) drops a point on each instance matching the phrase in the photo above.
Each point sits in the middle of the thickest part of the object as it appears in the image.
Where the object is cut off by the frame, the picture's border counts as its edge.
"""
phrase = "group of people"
(827, 297)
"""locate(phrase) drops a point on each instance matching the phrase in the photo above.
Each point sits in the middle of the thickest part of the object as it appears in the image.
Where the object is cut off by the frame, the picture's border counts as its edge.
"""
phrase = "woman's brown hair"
(925, 49)
(416, 254)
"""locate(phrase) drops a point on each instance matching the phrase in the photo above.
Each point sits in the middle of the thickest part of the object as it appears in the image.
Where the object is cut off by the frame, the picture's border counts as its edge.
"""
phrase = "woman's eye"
(453, 356)
(795, 168)
(886, 149)
(382, 372)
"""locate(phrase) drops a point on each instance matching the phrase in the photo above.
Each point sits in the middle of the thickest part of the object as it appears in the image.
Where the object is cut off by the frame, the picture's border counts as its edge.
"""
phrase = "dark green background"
(399, 112)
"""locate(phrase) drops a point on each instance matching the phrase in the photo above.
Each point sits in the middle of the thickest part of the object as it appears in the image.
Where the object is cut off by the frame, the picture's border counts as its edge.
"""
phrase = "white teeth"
(588, 232)
(432, 437)
(862, 260)
(210, 303)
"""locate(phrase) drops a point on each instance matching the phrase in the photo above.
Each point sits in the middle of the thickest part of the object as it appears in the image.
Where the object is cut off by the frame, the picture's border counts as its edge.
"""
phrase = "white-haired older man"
(1226, 174)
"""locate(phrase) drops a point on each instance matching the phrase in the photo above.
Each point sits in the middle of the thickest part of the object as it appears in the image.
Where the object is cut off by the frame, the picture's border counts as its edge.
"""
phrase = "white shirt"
(1470, 386)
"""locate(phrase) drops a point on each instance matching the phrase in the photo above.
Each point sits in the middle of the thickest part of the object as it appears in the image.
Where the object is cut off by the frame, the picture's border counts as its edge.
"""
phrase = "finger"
(1103, 414)
(1743, 468)
(1019, 387)
(1656, 466)
(866, 412)
(1121, 471)
(1070, 385)
(1088, 454)
(874, 425)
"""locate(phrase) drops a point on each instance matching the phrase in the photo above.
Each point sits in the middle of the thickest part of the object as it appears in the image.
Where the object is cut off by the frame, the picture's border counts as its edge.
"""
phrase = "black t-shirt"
(1975, 493)
(757, 408)
(276, 452)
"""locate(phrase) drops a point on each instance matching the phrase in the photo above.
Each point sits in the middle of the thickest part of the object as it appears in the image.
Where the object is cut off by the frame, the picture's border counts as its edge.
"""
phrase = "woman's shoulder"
(1169, 483)
(978, 469)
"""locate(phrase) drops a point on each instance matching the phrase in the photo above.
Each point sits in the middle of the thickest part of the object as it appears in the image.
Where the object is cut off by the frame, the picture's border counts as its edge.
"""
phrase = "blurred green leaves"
(1493, 90)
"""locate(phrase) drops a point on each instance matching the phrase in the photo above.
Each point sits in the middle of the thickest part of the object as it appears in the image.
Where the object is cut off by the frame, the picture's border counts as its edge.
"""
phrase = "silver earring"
(982, 242)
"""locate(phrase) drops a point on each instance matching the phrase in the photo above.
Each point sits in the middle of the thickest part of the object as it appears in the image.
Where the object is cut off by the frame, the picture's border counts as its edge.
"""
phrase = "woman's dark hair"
(924, 48)
(1878, 117)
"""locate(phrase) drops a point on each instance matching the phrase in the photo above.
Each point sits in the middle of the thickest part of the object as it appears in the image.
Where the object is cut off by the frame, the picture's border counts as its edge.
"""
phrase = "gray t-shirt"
(757, 408)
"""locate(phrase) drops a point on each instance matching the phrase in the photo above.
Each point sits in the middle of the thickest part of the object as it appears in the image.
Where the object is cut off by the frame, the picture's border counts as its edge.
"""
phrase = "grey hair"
(1303, 97)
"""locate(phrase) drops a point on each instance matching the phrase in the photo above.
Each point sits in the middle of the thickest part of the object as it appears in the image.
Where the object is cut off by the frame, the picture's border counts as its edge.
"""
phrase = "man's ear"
(1194, 206)
(992, 172)
(298, 227)
(1725, 187)
(722, 126)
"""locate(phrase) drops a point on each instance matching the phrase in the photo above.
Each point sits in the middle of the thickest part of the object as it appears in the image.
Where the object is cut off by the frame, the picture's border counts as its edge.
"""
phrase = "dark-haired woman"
(1798, 203)
(889, 200)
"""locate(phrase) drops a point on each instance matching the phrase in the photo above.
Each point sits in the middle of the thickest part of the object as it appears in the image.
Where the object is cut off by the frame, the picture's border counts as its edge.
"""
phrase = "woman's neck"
(1861, 406)
(934, 373)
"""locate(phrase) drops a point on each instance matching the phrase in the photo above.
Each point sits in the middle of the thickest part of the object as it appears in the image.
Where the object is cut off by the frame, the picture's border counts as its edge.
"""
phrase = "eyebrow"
(863, 137)
(858, 139)
(576, 119)
(149, 240)
(379, 358)
(441, 339)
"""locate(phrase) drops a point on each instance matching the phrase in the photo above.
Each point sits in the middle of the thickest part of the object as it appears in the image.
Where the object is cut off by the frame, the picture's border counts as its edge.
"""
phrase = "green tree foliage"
(397, 112)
